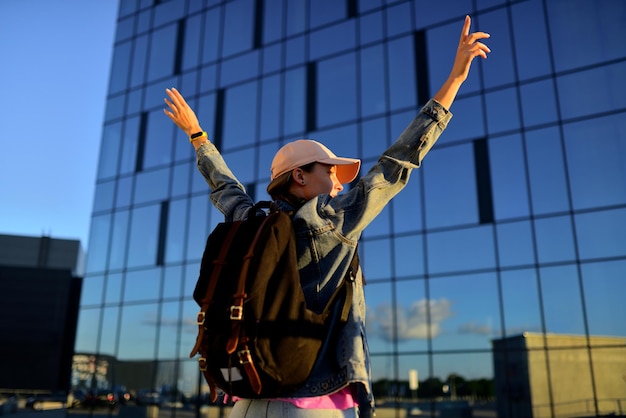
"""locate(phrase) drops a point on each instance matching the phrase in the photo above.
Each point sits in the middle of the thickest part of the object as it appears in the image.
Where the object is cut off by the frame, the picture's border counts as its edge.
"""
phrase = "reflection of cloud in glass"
(411, 321)
(474, 328)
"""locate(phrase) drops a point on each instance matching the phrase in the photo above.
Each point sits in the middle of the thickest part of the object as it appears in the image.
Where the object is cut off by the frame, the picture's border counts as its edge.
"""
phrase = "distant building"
(40, 284)
(550, 375)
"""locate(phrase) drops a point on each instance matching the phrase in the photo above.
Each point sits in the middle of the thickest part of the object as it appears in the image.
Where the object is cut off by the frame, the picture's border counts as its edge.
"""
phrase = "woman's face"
(322, 179)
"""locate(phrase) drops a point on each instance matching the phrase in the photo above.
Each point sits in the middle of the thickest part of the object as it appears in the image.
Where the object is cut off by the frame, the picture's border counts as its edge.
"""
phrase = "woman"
(306, 178)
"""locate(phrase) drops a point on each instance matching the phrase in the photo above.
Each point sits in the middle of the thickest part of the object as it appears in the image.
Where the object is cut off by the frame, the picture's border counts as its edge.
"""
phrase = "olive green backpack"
(256, 337)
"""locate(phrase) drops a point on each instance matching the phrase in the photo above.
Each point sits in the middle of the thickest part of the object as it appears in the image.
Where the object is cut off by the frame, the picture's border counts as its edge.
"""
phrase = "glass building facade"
(514, 225)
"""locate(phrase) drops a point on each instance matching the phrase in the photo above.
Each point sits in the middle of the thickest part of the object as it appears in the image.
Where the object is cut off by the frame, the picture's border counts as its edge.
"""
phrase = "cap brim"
(347, 168)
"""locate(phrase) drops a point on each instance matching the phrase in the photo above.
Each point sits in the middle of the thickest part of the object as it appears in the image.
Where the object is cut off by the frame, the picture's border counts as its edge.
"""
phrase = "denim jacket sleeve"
(227, 193)
(354, 210)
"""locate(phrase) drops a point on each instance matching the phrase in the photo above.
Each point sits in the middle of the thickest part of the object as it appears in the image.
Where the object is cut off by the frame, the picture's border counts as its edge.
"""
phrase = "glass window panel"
(295, 51)
(119, 68)
(594, 91)
(189, 284)
(466, 123)
(270, 107)
(98, 243)
(323, 12)
(109, 150)
(398, 19)
(144, 19)
(337, 38)
(169, 330)
(450, 187)
(197, 226)
(104, 194)
(91, 291)
(604, 22)
(127, 8)
(502, 110)
(428, 16)
(596, 155)
(114, 108)
(380, 226)
(538, 102)
(124, 190)
(555, 240)
(604, 287)
(189, 81)
(296, 17)
(401, 70)
(601, 234)
(265, 155)
(411, 316)
(168, 11)
(407, 206)
(456, 369)
(113, 290)
(191, 49)
(240, 68)
(240, 116)
(560, 293)
(125, 29)
(373, 139)
(520, 300)
(548, 182)
(212, 31)
(162, 52)
(158, 142)
(508, 177)
(134, 102)
(180, 178)
(372, 89)
(108, 329)
(515, 244)
(142, 285)
(189, 329)
(138, 332)
(144, 233)
(272, 20)
(499, 68)
(459, 250)
(371, 28)
(175, 235)
(379, 322)
(152, 185)
(205, 107)
(119, 235)
(464, 311)
(294, 102)
(336, 91)
(377, 259)
(140, 57)
(172, 282)
(272, 58)
(238, 27)
(242, 164)
(128, 160)
(531, 39)
(87, 331)
(409, 256)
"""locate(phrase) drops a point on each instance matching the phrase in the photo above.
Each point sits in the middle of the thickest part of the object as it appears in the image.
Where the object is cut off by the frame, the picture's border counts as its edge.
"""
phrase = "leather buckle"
(244, 357)
(236, 313)
(200, 318)
(202, 364)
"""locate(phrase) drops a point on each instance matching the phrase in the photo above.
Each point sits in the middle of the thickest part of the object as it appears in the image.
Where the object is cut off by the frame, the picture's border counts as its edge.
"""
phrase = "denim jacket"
(327, 231)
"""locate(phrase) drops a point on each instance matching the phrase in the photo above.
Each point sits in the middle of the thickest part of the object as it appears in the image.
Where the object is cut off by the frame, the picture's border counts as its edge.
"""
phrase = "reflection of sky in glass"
(558, 187)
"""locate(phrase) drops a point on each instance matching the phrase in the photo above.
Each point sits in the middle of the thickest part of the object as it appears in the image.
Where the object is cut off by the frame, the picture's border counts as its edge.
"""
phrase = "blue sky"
(55, 68)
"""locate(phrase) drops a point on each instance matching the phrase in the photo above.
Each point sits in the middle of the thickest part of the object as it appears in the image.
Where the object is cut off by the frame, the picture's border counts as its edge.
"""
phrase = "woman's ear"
(297, 174)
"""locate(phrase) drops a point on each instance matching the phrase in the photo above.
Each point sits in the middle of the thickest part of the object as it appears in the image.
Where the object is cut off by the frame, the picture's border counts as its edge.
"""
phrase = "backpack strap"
(347, 283)
(238, 339)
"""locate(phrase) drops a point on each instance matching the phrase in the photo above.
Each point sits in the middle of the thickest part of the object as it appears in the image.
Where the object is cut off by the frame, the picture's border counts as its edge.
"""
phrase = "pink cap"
(304, 151)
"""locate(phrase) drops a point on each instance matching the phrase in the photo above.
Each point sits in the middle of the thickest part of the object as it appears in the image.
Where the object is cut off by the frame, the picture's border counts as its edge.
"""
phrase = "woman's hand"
(181, 114)
(469, 48)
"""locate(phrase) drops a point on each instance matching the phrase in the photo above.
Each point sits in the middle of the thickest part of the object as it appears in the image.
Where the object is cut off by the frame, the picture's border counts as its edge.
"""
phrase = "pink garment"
(338, 400)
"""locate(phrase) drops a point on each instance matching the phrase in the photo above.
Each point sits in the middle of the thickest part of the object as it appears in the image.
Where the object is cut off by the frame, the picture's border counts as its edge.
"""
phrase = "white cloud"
(411, 321)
